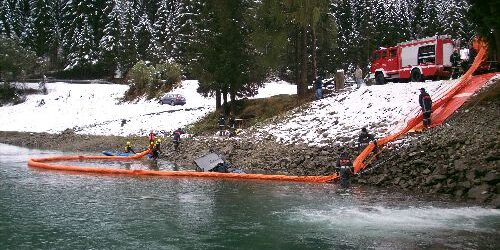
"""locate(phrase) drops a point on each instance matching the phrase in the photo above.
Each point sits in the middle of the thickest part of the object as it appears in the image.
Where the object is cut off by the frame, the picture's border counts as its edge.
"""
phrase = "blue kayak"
(114, 153)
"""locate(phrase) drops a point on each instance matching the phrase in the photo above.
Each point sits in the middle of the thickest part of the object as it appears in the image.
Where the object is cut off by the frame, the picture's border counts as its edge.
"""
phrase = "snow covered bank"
(96, 109)
(339, 118)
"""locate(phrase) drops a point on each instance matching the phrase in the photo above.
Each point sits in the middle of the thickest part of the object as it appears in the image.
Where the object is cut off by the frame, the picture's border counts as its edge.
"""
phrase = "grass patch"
(252, 111)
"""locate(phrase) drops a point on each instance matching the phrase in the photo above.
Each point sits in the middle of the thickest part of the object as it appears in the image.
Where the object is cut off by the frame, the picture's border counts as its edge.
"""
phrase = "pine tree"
(5, 19)
(432, 25)
(143, 33)
(42, 37)
(128, 52)
(110, 42)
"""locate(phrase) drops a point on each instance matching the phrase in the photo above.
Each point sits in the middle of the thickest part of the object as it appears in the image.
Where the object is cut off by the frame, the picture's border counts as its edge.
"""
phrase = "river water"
(58, 210)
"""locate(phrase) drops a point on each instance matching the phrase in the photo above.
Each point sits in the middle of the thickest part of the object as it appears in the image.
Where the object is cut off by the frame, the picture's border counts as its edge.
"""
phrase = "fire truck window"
(392, 53)
(427, 54)
(384, 54)
(375, 56)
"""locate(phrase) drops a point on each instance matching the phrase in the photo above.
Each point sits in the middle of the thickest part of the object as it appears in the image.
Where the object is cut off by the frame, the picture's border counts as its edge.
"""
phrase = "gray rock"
(491, 177)
(495, 202)
(479, 193)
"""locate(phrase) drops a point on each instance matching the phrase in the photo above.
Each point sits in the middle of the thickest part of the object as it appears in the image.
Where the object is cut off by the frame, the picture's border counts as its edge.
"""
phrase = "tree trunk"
(232, 96)
(314, 57)
(224, 97)
(303, 71)
(217, 99)
(297, 60)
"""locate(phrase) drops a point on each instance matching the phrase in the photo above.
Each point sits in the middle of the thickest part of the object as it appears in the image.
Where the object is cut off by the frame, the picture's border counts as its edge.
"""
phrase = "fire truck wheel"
(379, 79)
(416, 76)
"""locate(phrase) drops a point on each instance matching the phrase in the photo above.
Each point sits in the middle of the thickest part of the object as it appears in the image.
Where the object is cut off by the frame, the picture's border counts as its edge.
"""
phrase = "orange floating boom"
(442, 108)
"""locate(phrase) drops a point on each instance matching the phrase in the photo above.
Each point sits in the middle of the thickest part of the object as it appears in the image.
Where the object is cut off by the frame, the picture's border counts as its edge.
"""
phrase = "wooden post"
(339, 80)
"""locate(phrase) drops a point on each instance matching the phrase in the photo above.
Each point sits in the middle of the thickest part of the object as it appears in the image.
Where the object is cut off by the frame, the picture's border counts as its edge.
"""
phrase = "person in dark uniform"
(455, 64)
(176, 138)
(425, 101)
(345, 168)
(318, 86)
(129, 149)
(365, 138)
(222, 124)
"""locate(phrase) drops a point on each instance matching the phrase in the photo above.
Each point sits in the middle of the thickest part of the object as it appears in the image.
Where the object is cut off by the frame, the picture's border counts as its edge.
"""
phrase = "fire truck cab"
(427, 58)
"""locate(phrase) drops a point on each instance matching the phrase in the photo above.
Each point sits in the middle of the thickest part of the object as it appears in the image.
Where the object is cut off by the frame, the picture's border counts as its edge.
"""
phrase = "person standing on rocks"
(425, 101)
(345, 169)
(176, 139)
(222, 124)
(152, 136)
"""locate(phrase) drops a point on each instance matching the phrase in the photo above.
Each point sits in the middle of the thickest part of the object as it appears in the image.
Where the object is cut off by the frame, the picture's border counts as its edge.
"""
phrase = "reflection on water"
(57, 210)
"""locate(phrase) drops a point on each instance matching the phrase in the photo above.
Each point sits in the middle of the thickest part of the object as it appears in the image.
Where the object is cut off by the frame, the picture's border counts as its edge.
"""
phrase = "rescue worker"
(129, 149)
(455, 64)
(176, 139)
(156, 149)
(222, 124)
(152, 136)
(365, 138)
(345, 169)
(425, 101)
(318, 85)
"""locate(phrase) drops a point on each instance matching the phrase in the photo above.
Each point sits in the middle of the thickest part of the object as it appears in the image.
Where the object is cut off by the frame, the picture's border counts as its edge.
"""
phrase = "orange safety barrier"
(44, 163)
(442, 108)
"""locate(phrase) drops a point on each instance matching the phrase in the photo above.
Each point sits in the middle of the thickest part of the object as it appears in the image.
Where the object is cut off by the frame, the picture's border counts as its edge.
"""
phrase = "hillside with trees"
(230, 46)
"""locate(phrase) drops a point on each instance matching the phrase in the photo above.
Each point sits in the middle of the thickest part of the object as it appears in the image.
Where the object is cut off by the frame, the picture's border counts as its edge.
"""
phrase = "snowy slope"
(96, 109)
(339, 118)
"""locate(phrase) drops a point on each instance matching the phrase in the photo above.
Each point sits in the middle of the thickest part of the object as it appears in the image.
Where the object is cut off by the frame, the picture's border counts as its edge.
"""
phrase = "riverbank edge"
(436, 162)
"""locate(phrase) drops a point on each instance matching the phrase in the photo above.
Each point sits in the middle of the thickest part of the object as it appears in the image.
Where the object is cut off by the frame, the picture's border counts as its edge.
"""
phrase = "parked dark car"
(173, 99)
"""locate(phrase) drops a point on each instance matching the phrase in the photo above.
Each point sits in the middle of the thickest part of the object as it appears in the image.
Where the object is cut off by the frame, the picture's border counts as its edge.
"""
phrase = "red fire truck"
(427, 58)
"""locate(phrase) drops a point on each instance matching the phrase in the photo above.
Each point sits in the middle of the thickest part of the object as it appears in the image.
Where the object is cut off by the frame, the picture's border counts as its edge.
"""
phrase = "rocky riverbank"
(459, 159)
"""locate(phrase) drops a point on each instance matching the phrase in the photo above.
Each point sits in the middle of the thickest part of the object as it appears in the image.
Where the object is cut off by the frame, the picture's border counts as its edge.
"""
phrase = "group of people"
(318, 82)
(221, 122)
(155, 143)
(459, 65)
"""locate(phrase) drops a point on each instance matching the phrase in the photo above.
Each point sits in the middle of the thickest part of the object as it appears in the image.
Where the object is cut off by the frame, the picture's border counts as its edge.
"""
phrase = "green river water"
(59, 210)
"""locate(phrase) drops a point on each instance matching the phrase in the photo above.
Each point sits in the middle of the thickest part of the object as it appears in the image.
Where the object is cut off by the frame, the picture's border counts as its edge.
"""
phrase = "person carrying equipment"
(425, 101)
(176, 138)
(129, 149)
(345, 169)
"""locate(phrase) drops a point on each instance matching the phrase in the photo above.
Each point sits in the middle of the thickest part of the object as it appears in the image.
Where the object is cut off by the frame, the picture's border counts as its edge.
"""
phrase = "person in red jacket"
(152, 136)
